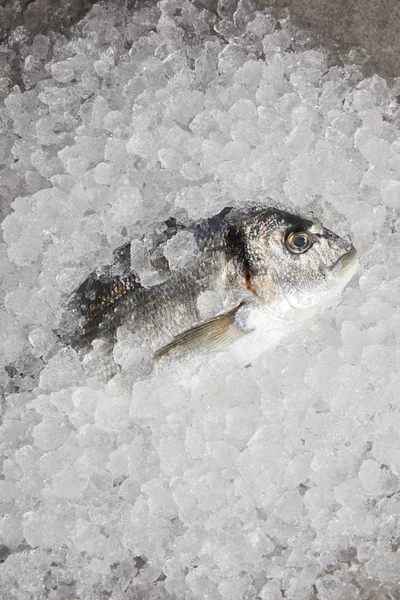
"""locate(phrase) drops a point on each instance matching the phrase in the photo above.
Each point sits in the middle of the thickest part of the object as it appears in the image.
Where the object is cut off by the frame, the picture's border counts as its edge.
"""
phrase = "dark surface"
(372, 27)
(23, 21)
(26, 25)
(40, 16)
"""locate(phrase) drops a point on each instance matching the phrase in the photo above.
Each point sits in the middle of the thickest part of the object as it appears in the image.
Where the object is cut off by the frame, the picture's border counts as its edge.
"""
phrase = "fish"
(263, 263)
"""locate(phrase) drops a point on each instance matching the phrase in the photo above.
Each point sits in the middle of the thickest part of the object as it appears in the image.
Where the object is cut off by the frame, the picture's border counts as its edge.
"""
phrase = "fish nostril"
(343, 243)
(347, 242)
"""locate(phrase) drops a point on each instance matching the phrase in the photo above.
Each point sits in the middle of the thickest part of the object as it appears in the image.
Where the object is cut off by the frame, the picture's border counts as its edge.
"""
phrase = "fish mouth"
(345, 262)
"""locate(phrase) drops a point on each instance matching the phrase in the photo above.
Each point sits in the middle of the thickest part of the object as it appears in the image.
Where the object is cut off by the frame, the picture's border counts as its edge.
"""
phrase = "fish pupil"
(299, 241)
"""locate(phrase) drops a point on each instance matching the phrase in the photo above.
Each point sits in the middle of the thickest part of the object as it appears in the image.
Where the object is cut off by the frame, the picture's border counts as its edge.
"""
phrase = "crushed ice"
(281, 478)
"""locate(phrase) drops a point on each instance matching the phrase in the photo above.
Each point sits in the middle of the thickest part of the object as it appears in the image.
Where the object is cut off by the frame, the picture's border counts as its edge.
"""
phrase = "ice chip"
(64, 71)
(180, 249)
(50, 434)
(63, 370)
(170, 159)
(104, 174)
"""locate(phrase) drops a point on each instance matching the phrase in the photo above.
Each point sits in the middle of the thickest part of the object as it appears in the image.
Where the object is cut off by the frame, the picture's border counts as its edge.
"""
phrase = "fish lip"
(344, 262)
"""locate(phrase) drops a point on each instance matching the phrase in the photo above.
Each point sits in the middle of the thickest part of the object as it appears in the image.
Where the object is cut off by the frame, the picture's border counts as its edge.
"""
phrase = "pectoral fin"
(207, 336)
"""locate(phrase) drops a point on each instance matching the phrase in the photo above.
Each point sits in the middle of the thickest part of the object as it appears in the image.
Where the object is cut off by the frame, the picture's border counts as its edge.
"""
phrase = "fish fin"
(207, 336)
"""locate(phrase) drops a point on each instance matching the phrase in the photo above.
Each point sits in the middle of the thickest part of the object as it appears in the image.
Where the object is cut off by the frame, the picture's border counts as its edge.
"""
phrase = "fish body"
(262, 264)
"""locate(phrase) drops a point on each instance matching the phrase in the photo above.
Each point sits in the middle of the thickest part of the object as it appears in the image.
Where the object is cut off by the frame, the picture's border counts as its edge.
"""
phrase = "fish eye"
(298, 242)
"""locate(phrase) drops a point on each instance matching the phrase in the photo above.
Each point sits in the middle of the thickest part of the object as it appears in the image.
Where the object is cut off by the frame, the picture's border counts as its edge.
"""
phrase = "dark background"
(370, 26)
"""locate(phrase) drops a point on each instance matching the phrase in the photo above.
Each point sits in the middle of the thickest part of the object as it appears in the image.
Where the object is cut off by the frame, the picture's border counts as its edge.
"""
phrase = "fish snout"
(350, 256)
(347, 260)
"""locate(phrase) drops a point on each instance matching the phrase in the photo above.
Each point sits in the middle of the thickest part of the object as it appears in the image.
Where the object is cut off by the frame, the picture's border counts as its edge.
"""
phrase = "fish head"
(296, 259)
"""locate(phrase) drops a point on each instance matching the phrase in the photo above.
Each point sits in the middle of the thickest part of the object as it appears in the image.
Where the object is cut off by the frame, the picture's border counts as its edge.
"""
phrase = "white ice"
(277, 478)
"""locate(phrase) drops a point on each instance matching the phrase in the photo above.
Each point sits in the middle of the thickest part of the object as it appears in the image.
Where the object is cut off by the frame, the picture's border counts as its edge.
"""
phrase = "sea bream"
(263, 264)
